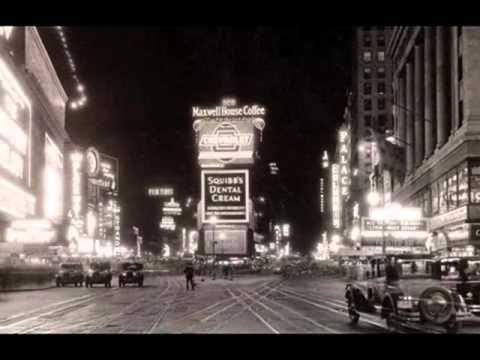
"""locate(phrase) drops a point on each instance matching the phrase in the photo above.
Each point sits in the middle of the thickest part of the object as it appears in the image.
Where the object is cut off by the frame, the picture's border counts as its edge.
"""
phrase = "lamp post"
(213, 221)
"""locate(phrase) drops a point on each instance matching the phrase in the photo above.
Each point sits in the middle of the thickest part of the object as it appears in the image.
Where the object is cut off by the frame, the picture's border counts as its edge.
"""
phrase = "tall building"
(32, 137)
(92, 202)
(370, 105)
(436, 77)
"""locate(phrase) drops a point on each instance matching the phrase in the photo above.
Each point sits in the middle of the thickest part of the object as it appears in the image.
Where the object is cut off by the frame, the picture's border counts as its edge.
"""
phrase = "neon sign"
(76, 159)
(167, 191)
(223, 111)
(336, 197)
(344, 160)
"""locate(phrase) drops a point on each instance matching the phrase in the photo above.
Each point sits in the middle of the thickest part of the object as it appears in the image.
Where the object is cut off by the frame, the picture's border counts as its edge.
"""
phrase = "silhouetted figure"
(391, 273)
(189, 275)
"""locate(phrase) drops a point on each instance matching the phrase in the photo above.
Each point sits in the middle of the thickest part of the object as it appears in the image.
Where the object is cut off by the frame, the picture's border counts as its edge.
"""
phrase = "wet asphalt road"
(247, 305)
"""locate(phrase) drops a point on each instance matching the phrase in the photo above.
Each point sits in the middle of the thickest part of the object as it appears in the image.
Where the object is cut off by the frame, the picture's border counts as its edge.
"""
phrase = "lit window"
(367, 56)
(367, 73)
(381, 56)
(381, 72)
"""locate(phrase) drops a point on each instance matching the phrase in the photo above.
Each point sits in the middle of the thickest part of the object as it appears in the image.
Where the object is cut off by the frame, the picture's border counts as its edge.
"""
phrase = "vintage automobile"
(70, 273)
(99, 273)
(427, 292)
(131, 273)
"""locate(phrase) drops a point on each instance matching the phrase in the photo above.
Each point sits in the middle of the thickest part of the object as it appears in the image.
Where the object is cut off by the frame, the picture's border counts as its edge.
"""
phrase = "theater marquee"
(225, 195)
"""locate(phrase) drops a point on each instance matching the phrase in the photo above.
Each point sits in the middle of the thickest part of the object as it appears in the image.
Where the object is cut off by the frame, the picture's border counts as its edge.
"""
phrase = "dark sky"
(142, 82)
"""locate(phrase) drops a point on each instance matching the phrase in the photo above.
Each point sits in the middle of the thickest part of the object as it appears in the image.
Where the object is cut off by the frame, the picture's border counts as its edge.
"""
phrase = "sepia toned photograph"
(240, 180)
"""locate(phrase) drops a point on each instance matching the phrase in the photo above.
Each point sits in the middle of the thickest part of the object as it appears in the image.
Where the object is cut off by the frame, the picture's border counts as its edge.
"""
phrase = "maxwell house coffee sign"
(225, 195)
(225, 134)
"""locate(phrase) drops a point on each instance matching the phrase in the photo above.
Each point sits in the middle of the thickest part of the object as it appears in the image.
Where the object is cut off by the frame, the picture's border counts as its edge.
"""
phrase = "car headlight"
(134, 273)
(124, 274)
(406, 302)
(90, 272)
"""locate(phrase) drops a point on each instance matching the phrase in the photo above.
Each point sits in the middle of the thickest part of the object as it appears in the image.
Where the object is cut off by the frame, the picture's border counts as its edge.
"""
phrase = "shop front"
(456, 233)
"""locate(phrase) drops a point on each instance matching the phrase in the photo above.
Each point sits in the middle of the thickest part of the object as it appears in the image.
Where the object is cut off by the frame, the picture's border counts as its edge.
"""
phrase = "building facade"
(370, 106)
(32, 137)
(436, 77)
(92, 206)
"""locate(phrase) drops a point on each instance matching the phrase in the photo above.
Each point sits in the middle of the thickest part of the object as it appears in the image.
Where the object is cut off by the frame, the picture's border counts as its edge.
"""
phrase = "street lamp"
(373, 200)
(213, 220)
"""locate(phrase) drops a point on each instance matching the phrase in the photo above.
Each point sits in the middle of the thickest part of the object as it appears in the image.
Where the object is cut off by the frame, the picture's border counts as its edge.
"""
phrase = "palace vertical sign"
(336, 197)
(344, 161)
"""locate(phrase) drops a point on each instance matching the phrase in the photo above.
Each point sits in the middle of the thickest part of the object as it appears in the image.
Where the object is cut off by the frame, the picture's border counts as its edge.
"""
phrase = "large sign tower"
(227, 136)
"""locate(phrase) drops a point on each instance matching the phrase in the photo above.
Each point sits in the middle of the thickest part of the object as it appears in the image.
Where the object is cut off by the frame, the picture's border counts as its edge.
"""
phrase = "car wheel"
(437, 306)
(76, 284)
(81, 284)
(140, 283)
(110, 284)
(58, 283)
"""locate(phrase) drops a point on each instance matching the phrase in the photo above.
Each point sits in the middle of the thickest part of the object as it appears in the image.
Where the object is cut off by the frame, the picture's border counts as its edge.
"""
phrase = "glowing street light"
(373, 198)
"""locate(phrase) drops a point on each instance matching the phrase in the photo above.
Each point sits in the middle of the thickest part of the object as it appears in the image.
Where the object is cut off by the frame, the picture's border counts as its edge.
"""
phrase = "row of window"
(11, 161)
(367, 56)
(367, 88)
(381, 120)
(381, 104)
(459, 187)
(368, 72)
(368, 40)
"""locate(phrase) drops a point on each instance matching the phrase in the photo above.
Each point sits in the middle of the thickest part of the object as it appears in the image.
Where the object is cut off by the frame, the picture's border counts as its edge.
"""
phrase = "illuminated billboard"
(227, 241)
(53, 184)
(172, 208)
(160, 191)
(226, 134)
(225, 195)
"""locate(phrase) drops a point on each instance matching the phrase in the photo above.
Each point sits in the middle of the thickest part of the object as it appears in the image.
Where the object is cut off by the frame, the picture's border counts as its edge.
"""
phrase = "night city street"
(260, 304)
(240, 180)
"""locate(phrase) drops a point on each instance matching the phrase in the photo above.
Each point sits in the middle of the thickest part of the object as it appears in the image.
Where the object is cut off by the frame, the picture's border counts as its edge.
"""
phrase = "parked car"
(131, 273)
(99, 273)
(427, 292)
(71, 273)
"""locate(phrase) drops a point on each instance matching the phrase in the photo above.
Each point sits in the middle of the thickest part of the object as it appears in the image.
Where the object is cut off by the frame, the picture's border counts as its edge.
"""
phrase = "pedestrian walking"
(189, 276)
(230, 270)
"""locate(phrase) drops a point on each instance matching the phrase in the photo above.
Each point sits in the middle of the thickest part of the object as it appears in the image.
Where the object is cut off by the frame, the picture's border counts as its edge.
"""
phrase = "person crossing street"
(189, 276)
